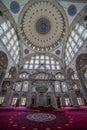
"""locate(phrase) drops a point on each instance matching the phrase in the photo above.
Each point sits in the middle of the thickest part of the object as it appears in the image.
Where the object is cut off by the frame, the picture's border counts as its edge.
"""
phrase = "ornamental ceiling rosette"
(43, 25)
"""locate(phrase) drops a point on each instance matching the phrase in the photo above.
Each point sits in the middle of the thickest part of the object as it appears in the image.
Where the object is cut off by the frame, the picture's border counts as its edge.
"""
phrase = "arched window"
(75, 42)
(3, 63)
(71, 74)
(42, 62)
(18, 86)
(8, 75)
(59, 76)
(75, 87)
(81, 66)
(12, 73)
(85, 73)
(49, 88)
(2, 99)
(33, 88)
(25, 86)
(23, 101)
(73, 79)
(23, 75)
(9, 38)
(57, 87)
(74, 76)
(64, 87)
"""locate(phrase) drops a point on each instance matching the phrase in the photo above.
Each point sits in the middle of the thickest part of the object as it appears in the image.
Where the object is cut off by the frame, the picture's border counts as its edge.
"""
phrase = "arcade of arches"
(43, 53)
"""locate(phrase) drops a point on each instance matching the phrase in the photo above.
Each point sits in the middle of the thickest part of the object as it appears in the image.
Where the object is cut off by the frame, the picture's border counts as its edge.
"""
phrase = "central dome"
(42, 26)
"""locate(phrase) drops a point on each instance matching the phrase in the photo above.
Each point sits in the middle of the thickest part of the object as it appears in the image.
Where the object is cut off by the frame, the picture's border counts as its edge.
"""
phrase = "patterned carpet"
(40, 120)
(50, 120)
(41, 117)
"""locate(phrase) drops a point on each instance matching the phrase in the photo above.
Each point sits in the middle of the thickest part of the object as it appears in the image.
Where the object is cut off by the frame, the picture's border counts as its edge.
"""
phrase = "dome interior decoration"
(43, 26)
(15, 7)
(72, 10)
(58, 52)
(26, 51)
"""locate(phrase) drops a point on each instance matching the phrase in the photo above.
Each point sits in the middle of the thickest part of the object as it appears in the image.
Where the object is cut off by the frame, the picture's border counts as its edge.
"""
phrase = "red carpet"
(71, 118)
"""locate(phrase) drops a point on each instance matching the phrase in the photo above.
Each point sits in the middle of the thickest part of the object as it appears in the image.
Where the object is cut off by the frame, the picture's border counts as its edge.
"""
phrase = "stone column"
(54, 101)
(29, 96)
(37, 100)
(53, 97)
(73, 97)
(45, 99)
(11, 90)
(83, 87)
(2, 78)
(62, 100)
(8, 97)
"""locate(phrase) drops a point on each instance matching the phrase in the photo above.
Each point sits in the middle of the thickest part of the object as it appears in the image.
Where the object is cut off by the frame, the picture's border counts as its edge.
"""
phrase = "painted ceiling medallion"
(43, 26)
(72, 10)
(26, 51)
(57, 52)
(15, 7)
